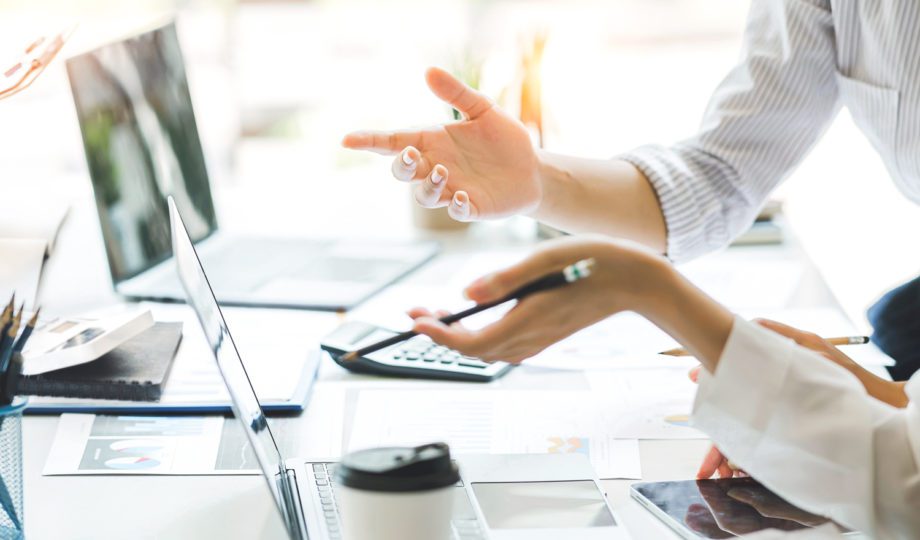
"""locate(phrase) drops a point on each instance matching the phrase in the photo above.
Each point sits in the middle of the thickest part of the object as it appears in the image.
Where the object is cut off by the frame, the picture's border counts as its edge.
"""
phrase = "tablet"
(721, 508)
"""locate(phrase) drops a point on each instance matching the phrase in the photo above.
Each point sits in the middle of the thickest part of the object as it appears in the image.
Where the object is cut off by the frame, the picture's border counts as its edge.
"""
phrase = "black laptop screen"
(141, 145)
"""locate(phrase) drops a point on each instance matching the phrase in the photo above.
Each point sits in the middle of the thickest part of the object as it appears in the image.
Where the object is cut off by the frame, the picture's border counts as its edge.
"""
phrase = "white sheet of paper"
(21, 269)
(650, 403)
(482, 421)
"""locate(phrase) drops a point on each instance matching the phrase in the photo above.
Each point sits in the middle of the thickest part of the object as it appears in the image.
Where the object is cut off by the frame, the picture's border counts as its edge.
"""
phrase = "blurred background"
(276, 84)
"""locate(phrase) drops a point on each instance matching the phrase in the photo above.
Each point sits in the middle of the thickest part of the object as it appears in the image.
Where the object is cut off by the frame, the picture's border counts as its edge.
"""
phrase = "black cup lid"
(398, 469)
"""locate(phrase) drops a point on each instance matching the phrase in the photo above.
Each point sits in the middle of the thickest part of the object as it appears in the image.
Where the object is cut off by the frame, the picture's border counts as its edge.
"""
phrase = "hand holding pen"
(569, 274)
(622, 277)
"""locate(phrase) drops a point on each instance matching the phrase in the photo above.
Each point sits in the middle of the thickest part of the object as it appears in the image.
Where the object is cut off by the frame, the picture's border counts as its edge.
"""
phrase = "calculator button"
(429, 358)
(471, 364)
(412, 356)
(447, 360)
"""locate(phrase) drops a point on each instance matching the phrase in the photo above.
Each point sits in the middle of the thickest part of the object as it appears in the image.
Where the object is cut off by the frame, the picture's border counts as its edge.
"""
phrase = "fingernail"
(436, 177)
(407, 159)
(458, 201)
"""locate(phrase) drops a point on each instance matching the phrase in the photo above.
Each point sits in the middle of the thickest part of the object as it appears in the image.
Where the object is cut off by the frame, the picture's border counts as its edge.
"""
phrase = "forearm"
(610, 197)
(686, 313)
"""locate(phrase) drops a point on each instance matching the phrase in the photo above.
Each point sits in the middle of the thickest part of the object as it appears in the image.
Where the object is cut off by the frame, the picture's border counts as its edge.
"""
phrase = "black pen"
(569, 274)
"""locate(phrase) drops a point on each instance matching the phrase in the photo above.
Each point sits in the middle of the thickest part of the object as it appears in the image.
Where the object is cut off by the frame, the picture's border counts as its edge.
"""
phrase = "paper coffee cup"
(397, 493)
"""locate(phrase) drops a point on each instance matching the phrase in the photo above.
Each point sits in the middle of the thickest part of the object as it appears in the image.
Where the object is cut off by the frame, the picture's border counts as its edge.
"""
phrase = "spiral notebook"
(137, 370)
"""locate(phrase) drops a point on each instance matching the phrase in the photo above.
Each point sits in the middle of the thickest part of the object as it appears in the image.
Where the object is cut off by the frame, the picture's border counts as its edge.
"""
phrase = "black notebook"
(134, 371)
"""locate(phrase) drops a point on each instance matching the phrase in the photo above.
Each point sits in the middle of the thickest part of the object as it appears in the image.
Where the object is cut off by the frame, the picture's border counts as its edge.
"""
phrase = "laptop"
(141, 144)
(499, 497)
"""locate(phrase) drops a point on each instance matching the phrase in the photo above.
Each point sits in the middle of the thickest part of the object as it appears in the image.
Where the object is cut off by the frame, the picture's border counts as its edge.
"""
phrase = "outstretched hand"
(482, 167)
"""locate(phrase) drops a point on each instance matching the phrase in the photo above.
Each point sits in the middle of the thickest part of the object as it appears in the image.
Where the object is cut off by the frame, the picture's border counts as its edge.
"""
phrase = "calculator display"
(378, 334)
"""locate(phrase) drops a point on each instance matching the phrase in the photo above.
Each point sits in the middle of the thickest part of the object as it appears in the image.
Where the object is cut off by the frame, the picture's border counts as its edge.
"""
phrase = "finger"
(483, 343)
(428, 192)
(710, 463)
(382, 142)
(461, 208)
(469, 102)
(694, 373)
(803, 338)
(409, 165)
(417, 312)
(725, 471)
(453, 337)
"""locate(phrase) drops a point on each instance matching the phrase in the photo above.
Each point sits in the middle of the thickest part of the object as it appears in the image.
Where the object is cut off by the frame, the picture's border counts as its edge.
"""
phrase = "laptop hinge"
(293, 510)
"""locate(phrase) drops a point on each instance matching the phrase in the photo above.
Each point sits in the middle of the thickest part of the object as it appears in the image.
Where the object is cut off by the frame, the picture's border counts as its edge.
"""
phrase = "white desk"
(237, 506)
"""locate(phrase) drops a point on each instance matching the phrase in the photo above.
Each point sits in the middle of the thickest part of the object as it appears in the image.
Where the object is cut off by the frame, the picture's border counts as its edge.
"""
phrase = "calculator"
(418, 357)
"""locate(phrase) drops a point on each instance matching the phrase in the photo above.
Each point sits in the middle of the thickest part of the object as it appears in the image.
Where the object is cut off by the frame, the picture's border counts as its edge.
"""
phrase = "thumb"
(553, 258)
(469, 102)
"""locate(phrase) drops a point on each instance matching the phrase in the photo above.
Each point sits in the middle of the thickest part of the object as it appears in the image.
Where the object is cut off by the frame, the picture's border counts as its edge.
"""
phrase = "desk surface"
(76, 279)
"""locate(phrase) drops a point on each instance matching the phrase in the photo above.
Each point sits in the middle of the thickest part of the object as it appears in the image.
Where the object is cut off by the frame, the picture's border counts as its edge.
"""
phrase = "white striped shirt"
(802, 61)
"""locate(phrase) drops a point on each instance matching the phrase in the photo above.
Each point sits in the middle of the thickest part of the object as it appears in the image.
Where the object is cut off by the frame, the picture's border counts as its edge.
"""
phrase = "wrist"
(657, 288)
(552, 177)
(687, 314)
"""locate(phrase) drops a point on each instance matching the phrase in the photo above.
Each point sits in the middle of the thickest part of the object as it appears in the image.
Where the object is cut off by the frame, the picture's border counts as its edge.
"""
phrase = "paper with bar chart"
(482, 421)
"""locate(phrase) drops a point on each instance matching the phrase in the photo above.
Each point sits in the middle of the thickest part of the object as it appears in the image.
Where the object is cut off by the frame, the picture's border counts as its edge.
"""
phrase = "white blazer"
(805, 428)
(802, 61)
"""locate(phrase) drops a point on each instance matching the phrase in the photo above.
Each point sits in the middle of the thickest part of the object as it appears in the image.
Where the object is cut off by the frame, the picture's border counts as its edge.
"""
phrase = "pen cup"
(11, 511)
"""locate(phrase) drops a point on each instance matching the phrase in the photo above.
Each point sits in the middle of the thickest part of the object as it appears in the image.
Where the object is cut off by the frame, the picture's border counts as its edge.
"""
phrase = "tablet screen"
(541, 505)
(725, 508)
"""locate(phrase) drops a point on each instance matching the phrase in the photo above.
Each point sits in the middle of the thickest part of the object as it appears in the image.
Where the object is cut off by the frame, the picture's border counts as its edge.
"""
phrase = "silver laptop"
(501, 497)
(142, 144)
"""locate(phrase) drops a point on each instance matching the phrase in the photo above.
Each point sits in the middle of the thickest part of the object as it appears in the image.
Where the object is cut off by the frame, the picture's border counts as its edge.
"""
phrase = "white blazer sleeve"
(761, 122)
(806, 429)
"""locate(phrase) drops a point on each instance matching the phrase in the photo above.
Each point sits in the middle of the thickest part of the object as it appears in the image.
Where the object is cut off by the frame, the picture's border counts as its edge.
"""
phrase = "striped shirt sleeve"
(763, 119)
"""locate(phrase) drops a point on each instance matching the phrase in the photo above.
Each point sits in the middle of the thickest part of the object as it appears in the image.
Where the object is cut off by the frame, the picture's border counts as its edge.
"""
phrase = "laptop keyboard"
(323, 473)
(465, 525)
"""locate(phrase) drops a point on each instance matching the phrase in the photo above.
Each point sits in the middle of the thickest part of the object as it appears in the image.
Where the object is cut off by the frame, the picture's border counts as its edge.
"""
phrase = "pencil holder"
(11, 516)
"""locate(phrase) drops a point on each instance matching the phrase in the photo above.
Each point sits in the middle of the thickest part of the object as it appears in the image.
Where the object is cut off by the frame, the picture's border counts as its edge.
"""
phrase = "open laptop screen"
(141, 144)
(243, 397)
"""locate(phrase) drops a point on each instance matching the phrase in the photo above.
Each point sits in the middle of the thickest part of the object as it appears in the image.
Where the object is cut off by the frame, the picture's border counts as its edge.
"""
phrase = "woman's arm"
(800, 424)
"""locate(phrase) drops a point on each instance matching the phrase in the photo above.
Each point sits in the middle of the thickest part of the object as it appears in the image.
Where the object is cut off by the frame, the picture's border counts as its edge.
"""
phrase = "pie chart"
(134, 454)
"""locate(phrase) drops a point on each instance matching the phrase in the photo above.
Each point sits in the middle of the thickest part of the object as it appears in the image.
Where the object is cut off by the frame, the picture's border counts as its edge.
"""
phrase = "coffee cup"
(397, 493)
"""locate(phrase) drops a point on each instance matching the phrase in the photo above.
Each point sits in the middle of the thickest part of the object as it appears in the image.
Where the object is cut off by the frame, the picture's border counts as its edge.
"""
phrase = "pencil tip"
(348, 357)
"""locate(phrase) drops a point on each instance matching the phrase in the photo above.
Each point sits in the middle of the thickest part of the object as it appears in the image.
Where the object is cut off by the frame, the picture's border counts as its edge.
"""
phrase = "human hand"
(482, 167)
(739, 517)
(624, 277)
(714, 461)
(887, 391)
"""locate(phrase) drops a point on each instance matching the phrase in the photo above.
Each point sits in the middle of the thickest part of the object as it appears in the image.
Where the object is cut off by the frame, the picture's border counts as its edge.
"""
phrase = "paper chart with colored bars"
(483, 421)
(87, 444)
